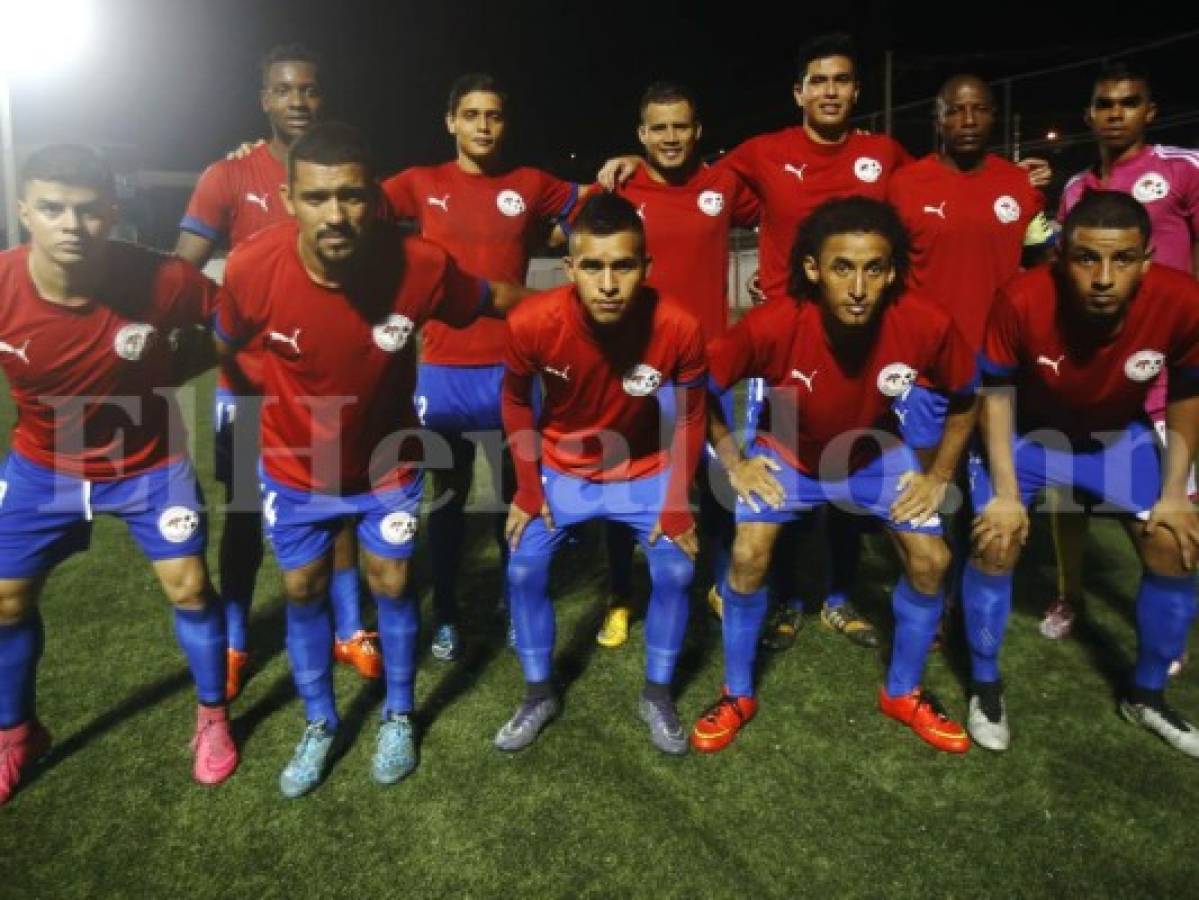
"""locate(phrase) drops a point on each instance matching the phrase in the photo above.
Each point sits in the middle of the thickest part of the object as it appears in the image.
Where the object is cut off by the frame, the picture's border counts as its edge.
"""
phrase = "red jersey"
(967, 232)
(340, 364)
(687, 234)
(487, 223)
(233, 199)
(791, 175)
(63, 363)
(595, 385)
(817, 395)
(1068, 380)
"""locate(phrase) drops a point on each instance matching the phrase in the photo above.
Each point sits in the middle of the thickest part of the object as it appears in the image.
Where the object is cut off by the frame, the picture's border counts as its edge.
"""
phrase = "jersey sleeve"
(742, 161)
(1070, 196)
(556, 199)
(734, 355)
(195, 298)
(400, 192)
(1000, 356)
(1189, 166)
(953, 368)
(461, 298)
(747, 211)
(208, 209)
(520, 356)
(241, 315)
(1183, 359)
(692, 366)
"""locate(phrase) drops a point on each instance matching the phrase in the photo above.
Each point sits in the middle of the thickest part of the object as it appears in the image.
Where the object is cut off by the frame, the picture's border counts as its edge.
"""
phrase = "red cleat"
(362, 652)
(20, 746)
(236, 662)
(215, 753)
(921, 712)
(721, 721)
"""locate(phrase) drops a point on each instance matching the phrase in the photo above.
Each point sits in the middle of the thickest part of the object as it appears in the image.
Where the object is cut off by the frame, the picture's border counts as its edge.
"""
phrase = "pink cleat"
(20, 746)
(215, 752)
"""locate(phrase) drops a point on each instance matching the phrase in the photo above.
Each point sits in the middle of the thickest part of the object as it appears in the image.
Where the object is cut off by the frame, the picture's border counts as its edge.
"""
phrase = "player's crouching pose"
(1081, 342)
(836, 354)
(336, 298)
(84, 328)
(603, 347)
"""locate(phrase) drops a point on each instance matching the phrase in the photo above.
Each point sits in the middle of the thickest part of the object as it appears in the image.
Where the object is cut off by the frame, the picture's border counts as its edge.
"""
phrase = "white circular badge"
(178, 523)
(132, 341)
(711, 203)
(895, 378)
(1144, 365)
(1007, 210)
(510, 203)
(398, 528)
(391, 335)
(642, 380)
(1150, 187)
(867, 169)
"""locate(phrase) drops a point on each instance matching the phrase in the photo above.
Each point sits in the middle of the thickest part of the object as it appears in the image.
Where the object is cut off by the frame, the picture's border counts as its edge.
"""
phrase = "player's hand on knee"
(687, 541)
(1000, 528)
(920, 496)
(518, 521)
(752, 478)
(1177, 516)
(1040, 173)
(244, 149)
(616, 171)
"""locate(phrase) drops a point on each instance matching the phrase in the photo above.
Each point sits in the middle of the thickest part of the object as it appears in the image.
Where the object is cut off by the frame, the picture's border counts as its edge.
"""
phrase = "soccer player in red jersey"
(1070, 354)
(234, 199)
(85, 326)
(487, 215)
(688, 209)
(335, 299)
(606, 348)
(835, 358)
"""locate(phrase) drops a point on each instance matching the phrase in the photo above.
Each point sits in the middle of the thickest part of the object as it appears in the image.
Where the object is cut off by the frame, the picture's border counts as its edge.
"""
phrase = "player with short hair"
(605, 347)
(233, 199)
(335, 298)
(1071, 352)
(487, 215)
(835, 357)
(85, 343)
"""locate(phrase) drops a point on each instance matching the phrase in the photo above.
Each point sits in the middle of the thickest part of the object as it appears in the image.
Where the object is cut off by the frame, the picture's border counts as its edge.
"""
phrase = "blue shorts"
(1122, 476)
(871, 489)
(301, 525)
(235, 436)
(45, 516)
(459, 399)
(921, 412)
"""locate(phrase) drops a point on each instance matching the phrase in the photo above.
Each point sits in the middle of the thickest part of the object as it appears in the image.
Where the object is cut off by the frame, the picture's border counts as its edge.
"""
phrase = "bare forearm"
(954, 437)
(997, 424)
(1182, 441)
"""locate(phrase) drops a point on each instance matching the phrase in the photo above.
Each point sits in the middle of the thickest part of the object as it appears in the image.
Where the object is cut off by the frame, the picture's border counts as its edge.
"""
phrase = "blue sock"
(845, 549)
(20, 650)
(201, 634)
(399, 625)
(743, 617)
(670, 570)
(532, 614)
(237, 614)
(1165, 611)
(916, 618)
(346, 600)
(986, 603)
(619, 539)
(310, 650)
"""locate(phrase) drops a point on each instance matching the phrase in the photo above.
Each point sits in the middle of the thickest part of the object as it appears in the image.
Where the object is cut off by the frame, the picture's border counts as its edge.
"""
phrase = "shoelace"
(929, 700)
(712, 714)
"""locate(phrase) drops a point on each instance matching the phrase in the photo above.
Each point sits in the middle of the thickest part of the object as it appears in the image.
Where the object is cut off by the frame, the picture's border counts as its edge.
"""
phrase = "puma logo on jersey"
(258, 200)
(936, 210)
(293, 341)
(1054, 364)
(443, 202)
(798, 173)
(563, 373)
(806, 379)
(19, 352)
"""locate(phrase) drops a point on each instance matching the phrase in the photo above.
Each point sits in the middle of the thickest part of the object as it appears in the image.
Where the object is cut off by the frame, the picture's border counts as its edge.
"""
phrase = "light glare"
(40, 35)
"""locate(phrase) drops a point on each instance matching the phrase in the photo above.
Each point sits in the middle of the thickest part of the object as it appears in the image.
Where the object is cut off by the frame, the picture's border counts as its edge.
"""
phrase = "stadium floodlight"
(36, 36)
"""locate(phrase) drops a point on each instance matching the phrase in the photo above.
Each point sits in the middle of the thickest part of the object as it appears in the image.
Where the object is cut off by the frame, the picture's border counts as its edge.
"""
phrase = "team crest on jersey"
(178, 523)
(867, 169)
(1151, 186)
(398, 528)
(1144, 365)
(510, 203)
(1007, 210)
(711, 203)
(895, 378)
(393, 334)
(132, 341)
(641, 380)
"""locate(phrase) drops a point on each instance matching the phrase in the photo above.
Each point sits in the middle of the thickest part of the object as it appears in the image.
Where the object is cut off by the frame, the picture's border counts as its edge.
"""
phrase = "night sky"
(176, 81)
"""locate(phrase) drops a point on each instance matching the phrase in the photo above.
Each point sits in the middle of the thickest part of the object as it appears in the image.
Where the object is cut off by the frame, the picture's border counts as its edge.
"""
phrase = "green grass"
(820, 796)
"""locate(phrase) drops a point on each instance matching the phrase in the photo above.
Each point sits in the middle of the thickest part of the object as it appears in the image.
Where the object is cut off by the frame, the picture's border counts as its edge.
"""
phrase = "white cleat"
(1166, 723)
(989, 733)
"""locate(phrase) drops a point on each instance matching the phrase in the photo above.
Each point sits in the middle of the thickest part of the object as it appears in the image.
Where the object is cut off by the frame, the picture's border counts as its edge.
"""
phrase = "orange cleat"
(921, 712)
(362, 652)
(236, 662)
(721, 721)
(20, 747)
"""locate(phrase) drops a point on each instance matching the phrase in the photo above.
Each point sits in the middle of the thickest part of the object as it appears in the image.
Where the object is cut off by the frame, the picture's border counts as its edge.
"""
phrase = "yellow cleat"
(716, 602)
(615, 630)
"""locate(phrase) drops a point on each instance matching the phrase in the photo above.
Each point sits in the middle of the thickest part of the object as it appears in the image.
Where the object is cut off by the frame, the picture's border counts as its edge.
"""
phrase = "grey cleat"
(665, 731)
(1165, 722)
(526, 723)
(306, 768)
(395, 750)
(987, 723)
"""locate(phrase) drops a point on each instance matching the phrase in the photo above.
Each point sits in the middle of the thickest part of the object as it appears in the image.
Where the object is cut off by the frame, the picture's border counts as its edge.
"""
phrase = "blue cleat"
(524, 726)
(395, 752)
(445, 642)
(306, 767)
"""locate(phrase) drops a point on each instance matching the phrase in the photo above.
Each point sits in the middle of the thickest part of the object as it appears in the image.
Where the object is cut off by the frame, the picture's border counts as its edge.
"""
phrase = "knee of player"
(1161, 555)
(992, 561)
(16, 602)
(525, 570)
(672, 570)
(188, 588)
(387, 577)
(927, 564)
(749, 563)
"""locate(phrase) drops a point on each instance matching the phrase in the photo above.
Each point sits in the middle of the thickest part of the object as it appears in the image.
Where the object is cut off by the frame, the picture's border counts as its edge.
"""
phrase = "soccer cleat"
(849, 622)
(615, 630)
(362, 652)
(236, 662)
(20, 747)
(665, 730)
(987, 719)
(445, 642)
(921, 712)
(721, 721)
(526, 723)
(306, 767)
(395, 750)
(716, 602)
(212, 746)
(1059, 620)
(783, 628)
(1165, 722)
